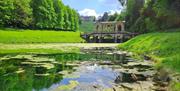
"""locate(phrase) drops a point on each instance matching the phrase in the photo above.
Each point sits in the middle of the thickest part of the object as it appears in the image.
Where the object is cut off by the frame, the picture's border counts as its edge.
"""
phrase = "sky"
(94, 7)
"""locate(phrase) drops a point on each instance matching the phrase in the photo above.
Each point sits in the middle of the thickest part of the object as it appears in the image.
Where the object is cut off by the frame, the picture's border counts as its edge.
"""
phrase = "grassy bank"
(47, 48)
(164, 48)
(29, 36)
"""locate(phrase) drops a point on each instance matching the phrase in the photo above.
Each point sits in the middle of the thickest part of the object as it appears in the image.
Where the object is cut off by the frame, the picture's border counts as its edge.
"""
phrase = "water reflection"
(42, 71)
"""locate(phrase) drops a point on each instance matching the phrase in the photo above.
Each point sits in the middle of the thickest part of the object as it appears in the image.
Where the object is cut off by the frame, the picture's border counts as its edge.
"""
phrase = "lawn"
(164, 48)
(87, 26)
(29, 36)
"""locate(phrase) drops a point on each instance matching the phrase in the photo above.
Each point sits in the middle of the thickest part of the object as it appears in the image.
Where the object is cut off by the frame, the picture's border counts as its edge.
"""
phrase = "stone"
(138, 65)
(130, 78)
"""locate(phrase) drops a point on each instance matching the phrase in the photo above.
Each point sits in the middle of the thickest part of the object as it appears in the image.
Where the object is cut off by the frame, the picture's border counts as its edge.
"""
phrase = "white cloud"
(91, 12)
(88, 12)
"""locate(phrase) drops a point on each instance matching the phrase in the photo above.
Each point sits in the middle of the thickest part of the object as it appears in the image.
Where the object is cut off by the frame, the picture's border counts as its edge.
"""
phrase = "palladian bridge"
(108, 32)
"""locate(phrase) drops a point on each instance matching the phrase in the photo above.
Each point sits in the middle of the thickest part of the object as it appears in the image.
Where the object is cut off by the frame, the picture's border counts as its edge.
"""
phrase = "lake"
(95, 69)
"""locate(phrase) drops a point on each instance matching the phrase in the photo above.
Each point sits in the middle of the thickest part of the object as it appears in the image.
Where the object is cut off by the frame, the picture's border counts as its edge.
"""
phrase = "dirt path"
(56, 45)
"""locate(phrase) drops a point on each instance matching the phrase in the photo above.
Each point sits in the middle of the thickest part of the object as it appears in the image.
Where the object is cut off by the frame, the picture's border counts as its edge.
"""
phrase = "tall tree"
(151, 15)
(44, 13)
(72, 19)
(59, 9)
(113, 17)
(76, 20)
(133, 11)
(22, 13)
(67, 24)
(6, 12)
(105, 17)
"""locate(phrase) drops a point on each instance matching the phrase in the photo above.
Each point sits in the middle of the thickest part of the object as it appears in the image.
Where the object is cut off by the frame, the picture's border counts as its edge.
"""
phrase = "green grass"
(29, 36)
(164, 48)
(176, 87)
(87, 26)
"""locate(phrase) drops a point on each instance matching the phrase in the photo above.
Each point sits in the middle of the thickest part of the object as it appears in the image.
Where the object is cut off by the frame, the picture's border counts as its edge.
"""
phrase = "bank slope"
(164, 48)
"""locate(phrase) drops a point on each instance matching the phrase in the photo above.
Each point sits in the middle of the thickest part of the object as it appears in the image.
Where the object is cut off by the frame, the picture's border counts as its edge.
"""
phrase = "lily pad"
(20, 70)
(70, 86)
(42, 60)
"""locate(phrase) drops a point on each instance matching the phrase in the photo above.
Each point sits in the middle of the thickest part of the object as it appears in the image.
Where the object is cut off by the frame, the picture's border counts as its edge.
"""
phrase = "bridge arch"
(113, 31)
(106, 27)
(120, 26)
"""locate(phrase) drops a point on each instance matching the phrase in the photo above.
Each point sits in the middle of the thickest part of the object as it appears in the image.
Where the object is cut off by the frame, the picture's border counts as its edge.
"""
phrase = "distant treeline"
(151, 15)
(112, 17)
(38, 14)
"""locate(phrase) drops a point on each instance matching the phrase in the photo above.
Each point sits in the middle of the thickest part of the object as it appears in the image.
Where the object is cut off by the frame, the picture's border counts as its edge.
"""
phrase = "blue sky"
(94, 7)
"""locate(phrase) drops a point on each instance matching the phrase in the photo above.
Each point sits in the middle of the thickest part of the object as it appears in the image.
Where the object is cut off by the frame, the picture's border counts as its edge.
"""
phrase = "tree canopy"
(151, 15)
(38, 14)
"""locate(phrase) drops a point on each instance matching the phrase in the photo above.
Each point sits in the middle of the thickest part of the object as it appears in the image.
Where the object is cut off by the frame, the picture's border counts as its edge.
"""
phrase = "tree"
(39, 14)
(52, 14)
(121, 17)
(113, 17)
(123, 2)
(16, 13)
(76, 20)
(66, 18)
(22, 13)
(133, 13)
(6, 12)
(151, 15)
(59, 9)
(71, 18)
(44, 14)
(105, 17)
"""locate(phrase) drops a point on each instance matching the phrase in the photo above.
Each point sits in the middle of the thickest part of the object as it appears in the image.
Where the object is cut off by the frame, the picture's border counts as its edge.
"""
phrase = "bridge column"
(100, 39)
(122, 38)
(88, 38)
(95, 39)
(115, 38)
(122, 27)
